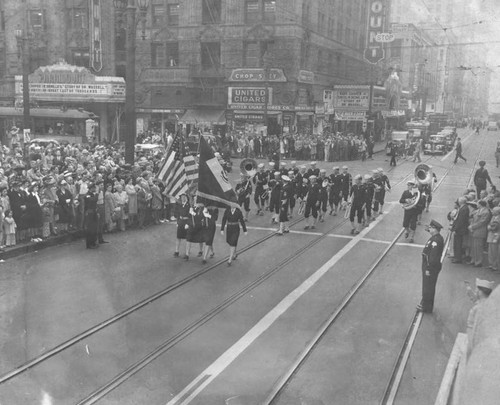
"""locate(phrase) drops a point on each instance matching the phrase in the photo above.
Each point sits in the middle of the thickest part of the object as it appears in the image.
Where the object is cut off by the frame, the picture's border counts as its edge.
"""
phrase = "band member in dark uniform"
(283, 169)
(369, 193)
(182, 214)
(197, 229)
(313, 170)
(244, 191)
(312, 202)
(293, 193)
(274, 201)
(301, 193)
(381, 182)
(285, 194)
(357, 204)
(346, 185)
(302, 174)
(335, 194)
(481, 177)
(91, 218)
(211, 214)
(431, 266)
(260, 180)
(410, 214)
(233, 218)
(324, 185)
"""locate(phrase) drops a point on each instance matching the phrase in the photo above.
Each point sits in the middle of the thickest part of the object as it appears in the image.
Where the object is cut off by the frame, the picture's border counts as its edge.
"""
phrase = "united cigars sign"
(374, 51)
(351, 98)
(254, 96)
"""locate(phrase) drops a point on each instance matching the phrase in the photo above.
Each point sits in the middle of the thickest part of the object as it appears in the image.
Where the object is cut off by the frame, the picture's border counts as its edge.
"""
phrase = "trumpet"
(302, 207)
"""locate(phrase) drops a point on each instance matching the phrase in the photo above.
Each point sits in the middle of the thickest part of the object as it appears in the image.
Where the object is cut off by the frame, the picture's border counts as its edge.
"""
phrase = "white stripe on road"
(218, 366)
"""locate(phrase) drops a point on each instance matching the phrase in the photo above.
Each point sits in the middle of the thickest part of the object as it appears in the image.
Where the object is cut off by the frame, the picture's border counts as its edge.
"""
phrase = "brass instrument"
(302, 207)
(423, 174)
(248, 167)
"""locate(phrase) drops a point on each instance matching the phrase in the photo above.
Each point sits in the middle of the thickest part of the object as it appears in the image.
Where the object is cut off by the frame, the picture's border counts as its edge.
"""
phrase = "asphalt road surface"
(219, 334)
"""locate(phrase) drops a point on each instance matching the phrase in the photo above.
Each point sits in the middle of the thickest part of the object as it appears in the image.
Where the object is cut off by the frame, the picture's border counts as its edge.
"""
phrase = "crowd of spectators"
(43, 188)
(475, 224)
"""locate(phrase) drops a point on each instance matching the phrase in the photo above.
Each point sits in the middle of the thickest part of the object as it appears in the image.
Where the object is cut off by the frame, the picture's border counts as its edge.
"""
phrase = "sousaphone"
(248, 167)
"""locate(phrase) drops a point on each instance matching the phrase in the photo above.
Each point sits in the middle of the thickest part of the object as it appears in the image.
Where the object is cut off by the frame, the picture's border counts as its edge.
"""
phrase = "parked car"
(436, 145)
(492, 126)
(399, 139)
(193, 142)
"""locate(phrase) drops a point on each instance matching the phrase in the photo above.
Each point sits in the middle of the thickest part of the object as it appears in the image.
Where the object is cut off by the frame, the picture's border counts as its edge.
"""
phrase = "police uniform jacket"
(431, 255)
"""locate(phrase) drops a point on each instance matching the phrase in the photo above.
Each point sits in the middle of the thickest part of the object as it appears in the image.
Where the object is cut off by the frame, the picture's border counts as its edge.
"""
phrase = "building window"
(251, 54)
(2, 20)
(80, 57)
(252, 11)
(210, 55)
(77, 18)
(172, 54)
(269, 9)
(158, 55)
(158, 15)
(38, 57)
(36, 18)
(211, 12)
(173, 14)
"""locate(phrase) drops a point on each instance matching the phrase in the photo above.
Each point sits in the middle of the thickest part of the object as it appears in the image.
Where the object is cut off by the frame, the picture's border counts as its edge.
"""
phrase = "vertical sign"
(374, 51)
(95, 35)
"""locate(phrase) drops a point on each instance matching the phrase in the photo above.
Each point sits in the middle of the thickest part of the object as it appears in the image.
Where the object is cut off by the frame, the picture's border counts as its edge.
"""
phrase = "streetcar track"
(141, 304)
(398, 368)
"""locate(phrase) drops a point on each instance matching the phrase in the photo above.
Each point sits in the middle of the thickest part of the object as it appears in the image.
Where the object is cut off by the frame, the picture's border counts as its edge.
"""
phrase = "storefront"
(159, 120)
(351, 104)
(61, 89)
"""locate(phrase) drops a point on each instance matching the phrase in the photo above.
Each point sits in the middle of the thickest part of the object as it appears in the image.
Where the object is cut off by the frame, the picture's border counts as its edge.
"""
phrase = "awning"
(46, 113)
(198, 116)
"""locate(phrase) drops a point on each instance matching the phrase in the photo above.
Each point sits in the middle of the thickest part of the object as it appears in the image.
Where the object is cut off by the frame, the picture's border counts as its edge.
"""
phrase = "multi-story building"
(261, 60)
(71, 41)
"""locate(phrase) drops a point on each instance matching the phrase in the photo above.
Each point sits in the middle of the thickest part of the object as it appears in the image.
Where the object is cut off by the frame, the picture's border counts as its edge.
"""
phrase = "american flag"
(179, 169)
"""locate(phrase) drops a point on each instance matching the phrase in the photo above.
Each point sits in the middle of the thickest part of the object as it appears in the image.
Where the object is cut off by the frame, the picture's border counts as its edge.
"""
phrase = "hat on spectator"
(485, 284)
(435, 224)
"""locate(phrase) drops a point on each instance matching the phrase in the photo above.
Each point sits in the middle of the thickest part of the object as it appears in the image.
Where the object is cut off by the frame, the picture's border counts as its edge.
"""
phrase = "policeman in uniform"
(260, 180)
(335, 194)
(357, 204)
(285, 194)
(91, 217)
(431, 266)
(410, 215)
(346, 185)
(324, 184)
(244, 191)
(312, 202)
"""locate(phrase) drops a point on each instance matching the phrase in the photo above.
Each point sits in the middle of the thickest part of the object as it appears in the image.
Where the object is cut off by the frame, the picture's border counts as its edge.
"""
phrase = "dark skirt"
(194, 235)
(210, 234)
(181, 229)
(232, 235)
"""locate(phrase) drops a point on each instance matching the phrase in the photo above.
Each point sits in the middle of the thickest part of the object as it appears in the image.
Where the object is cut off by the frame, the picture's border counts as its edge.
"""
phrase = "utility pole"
(130, 115)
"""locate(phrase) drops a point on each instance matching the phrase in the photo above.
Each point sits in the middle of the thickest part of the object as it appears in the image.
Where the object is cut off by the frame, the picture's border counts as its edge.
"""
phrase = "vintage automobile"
(436, 145)
(399, 139)
(492, 126)
(193, 142)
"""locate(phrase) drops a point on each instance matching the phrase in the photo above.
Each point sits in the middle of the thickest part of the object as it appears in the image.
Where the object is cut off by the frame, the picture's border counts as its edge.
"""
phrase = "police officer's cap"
(285, 178)
(261, 165)
(436, 225)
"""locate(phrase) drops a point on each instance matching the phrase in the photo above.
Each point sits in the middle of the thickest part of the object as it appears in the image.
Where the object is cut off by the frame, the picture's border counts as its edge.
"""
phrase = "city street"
(243, 349)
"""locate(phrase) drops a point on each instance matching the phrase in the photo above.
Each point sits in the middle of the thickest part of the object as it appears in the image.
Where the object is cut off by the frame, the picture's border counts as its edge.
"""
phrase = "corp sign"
(374, 51)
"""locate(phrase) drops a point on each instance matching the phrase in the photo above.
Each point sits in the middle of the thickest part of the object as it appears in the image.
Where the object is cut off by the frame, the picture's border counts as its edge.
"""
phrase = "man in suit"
(460, 228)
(458, 150)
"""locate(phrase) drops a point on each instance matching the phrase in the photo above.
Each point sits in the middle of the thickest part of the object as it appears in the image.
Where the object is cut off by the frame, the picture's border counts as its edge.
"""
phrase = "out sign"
(374, 51)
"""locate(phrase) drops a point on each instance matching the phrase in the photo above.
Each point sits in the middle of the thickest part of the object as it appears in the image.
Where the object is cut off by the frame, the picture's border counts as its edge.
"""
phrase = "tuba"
(423, 174)
(248, 167)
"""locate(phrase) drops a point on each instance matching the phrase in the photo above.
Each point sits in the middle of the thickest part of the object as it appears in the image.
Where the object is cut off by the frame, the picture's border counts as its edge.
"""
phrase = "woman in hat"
(212, 214)
(493, 239)
(65, 199)
(197, 229)
(233, 218)
(49, 200)
(33, 217)
(121, 201)
(156, 201)
(182, 213)
(109, 206)
(478, 229)
(132, 201)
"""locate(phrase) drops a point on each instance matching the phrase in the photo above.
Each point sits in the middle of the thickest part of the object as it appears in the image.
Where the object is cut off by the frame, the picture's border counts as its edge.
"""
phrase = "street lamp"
(130, 8)
(24, 53)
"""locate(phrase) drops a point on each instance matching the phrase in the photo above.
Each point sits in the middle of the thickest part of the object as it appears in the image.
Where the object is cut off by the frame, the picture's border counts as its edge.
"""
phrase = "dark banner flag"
(213, 185)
